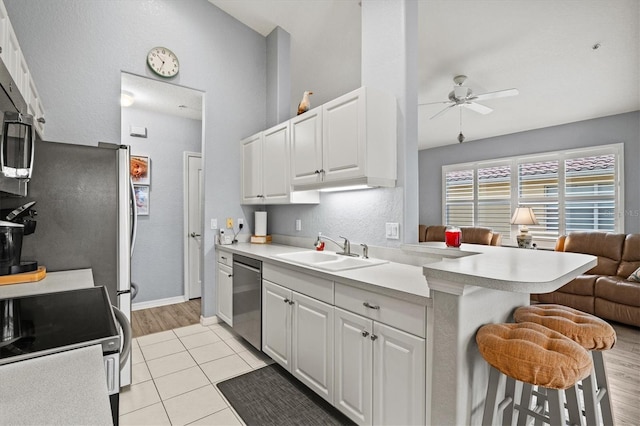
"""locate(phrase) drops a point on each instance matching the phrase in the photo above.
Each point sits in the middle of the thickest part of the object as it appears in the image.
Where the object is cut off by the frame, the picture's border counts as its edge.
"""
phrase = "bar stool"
(536, 356)
(593, 334)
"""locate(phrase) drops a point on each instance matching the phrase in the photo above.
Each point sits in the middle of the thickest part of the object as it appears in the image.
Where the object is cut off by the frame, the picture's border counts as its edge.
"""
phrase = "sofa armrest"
(560, 243)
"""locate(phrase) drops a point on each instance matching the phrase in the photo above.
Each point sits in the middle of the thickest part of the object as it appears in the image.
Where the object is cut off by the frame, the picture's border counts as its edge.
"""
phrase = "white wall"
(157, 264)
(76, 50)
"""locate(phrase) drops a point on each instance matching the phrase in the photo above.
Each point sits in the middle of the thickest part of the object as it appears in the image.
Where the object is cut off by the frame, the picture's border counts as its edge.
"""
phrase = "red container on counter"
(452, 237)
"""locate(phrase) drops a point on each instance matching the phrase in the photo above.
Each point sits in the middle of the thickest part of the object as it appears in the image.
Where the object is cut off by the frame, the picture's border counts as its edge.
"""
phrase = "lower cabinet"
(225, 293)
(304, 345)
(379, 372)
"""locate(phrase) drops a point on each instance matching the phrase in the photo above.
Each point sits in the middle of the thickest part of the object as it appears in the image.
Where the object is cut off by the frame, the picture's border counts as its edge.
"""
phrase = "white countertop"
(394, 279)
(500, 268)
(505, 268)
(52, 282)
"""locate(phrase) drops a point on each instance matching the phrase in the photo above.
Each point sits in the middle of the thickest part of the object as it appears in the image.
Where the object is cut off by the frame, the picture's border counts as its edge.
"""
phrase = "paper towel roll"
(261, 224)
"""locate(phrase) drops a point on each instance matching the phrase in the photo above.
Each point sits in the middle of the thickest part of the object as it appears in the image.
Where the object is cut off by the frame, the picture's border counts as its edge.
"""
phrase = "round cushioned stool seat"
(534, 354)
(590, 332)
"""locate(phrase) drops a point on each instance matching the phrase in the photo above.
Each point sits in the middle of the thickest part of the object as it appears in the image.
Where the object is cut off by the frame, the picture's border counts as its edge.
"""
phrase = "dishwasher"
(247, 299)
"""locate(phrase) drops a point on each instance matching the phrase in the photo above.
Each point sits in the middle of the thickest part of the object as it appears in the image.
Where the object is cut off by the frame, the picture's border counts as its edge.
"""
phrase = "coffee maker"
(13, 227)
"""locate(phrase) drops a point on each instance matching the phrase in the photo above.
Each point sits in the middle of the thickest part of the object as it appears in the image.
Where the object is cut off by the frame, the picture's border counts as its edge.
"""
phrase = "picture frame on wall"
(140, 169)
(142, 199)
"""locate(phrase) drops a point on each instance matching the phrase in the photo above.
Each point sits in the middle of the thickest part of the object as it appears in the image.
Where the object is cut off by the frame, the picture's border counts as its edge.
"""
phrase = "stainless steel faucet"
(346, 246)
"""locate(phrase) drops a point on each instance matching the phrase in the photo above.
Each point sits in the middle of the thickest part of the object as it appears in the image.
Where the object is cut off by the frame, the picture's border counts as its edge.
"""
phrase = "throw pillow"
(635, 276)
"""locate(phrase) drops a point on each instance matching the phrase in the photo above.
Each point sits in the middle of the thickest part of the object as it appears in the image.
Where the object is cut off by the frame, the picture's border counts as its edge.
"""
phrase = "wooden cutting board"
(26, 277)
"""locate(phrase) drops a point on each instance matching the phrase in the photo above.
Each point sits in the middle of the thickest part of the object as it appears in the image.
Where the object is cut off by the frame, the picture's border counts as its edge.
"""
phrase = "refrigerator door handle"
(126, 335)
(134, 290)
(134, 215)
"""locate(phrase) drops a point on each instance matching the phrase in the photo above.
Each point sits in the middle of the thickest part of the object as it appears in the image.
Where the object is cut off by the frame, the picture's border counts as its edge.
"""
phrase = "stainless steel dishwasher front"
(247, 299)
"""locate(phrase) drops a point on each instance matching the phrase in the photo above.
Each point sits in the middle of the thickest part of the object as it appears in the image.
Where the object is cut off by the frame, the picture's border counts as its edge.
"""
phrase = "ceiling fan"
(464, 96)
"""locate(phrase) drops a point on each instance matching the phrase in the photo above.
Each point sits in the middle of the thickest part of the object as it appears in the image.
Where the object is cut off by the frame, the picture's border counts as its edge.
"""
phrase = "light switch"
(392, 231)
(214, 223)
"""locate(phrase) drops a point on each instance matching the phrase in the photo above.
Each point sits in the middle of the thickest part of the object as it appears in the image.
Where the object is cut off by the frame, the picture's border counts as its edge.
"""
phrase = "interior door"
(194, 226)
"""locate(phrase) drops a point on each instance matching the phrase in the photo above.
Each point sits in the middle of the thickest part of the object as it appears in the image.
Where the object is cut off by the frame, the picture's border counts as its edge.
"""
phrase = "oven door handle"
(126, 335)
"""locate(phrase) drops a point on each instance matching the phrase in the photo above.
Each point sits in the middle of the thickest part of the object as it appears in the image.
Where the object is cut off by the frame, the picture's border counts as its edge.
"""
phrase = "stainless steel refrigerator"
(85, 216)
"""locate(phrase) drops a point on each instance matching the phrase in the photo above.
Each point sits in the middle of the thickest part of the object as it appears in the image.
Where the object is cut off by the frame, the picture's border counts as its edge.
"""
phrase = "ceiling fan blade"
(442, 111)
(477, 107)
(435, 103)
(494, 95)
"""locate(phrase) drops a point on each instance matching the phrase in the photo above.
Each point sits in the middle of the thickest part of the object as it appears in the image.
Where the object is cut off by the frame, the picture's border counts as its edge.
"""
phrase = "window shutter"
(538, 189)
(494, 199)
(459, 188)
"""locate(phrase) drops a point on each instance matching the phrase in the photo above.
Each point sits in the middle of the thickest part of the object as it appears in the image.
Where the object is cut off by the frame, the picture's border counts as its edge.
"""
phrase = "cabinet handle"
(317, 172)
(41, 120)
(322, 171)
(365, 333)
(230, 275)
(374, 337)
(291, 302)
(367, 305)
(286, 300)
(223, 258)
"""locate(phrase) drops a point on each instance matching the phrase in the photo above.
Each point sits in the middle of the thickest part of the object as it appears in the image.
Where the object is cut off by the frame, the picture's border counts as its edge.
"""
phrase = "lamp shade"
(524, 216)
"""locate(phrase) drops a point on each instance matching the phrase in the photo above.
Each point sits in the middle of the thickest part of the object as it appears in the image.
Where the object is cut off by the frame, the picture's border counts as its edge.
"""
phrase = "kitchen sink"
(328, 261)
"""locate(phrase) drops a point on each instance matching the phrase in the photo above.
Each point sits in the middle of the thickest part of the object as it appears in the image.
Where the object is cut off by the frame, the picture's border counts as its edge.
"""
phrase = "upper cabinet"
(349, 141)
(22, 85)
(265, 169)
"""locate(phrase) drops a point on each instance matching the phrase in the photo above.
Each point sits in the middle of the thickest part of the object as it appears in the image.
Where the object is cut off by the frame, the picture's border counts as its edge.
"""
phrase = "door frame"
(185, 222)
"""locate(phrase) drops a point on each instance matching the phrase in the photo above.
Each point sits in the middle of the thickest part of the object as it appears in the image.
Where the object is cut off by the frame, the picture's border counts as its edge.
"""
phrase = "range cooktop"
(37, 325)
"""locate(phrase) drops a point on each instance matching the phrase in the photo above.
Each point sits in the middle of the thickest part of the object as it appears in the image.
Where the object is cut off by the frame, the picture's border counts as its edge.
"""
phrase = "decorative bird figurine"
(305, 103)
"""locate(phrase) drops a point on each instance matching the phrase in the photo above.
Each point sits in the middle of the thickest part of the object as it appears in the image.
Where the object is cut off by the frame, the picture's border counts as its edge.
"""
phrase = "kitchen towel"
(261, 224)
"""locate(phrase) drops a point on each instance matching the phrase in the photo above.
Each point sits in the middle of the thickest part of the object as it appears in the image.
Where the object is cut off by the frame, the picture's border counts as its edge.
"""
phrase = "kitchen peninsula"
(421, 332)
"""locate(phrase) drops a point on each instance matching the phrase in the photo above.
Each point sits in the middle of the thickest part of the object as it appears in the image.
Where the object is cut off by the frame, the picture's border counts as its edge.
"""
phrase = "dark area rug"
(272, 396)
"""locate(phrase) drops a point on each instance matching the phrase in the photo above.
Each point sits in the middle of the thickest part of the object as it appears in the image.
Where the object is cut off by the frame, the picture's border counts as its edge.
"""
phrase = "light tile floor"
(174, 373)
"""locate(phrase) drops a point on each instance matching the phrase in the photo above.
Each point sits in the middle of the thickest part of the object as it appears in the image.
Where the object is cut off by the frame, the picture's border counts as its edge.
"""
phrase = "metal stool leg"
(603, 393)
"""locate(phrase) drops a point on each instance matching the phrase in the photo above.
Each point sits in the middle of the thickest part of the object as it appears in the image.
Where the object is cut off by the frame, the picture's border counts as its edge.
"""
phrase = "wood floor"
(154, 320)
(622, 362)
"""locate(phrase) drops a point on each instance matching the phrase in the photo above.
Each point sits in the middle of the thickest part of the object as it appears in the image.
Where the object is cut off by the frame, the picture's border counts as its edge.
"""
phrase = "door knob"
(194, 235)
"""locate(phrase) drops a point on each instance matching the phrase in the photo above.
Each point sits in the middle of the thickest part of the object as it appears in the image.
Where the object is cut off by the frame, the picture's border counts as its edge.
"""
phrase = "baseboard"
(157, 303)
(207, 321)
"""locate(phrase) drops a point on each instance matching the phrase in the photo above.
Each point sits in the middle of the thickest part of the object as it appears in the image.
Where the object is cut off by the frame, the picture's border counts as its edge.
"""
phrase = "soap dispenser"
(319, 244)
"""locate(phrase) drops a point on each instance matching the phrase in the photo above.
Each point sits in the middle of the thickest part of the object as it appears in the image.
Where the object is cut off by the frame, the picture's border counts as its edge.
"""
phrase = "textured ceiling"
(541, 47)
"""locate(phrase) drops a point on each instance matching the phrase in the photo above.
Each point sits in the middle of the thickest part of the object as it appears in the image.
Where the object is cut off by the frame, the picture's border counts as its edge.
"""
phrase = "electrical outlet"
(214, 223)
(240, 222)
(298, 225)
(229, 223)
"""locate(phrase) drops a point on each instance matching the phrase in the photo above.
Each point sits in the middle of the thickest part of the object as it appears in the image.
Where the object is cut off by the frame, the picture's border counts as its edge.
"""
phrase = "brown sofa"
(603, 290)
(470, 235)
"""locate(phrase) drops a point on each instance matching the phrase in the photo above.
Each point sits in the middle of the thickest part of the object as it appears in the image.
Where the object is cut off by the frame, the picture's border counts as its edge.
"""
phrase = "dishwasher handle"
(242, 265)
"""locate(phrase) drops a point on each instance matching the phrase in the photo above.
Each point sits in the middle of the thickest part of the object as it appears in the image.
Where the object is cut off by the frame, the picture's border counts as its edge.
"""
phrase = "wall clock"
(163, 62)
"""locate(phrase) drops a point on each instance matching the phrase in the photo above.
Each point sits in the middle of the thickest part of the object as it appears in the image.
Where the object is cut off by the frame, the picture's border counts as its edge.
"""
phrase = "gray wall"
(160, 233)
(623, 128)
(76, 50)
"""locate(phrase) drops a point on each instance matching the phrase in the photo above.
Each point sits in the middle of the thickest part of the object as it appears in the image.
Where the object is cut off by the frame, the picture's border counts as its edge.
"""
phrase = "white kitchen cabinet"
(225, 287)
(265, 169)
(379, 372)
(304, 345)
(349, 141)
(16, 64)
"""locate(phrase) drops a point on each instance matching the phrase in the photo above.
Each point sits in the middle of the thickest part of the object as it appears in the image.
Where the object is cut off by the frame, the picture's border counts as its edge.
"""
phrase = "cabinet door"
(275, 165)
(398, 377)
(353, 364)
(306, 148)
(276, 323)
(252, 169)
(312, 344)
(344, 137)
(225, 294)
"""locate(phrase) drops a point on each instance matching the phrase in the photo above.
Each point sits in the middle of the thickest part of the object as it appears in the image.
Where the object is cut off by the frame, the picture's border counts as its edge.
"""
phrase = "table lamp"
(524, 216)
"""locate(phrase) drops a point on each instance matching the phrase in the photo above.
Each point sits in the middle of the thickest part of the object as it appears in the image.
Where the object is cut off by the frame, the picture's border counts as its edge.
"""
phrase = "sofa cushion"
(435, 233)
(630, 260)
(619, 290)
(635, 276)
(582, 284)
(476, 235)
(607, 246)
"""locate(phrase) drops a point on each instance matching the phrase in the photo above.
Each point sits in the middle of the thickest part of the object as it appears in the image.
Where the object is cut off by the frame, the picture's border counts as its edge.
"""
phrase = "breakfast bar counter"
(462, 289)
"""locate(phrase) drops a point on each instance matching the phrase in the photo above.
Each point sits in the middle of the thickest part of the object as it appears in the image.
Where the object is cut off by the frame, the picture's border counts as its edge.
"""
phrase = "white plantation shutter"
(494, 199)
(538, 189)
(577, 190)
(459, 189)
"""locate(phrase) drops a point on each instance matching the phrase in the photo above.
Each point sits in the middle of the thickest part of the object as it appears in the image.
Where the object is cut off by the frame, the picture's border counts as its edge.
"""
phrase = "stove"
(45, 324)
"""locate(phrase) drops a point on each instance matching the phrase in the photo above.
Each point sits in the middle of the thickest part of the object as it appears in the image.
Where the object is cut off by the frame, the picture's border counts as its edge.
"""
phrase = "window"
(577, 190)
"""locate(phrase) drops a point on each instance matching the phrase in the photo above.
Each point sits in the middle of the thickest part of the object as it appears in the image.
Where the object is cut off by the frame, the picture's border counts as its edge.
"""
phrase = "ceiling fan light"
(461, 92)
